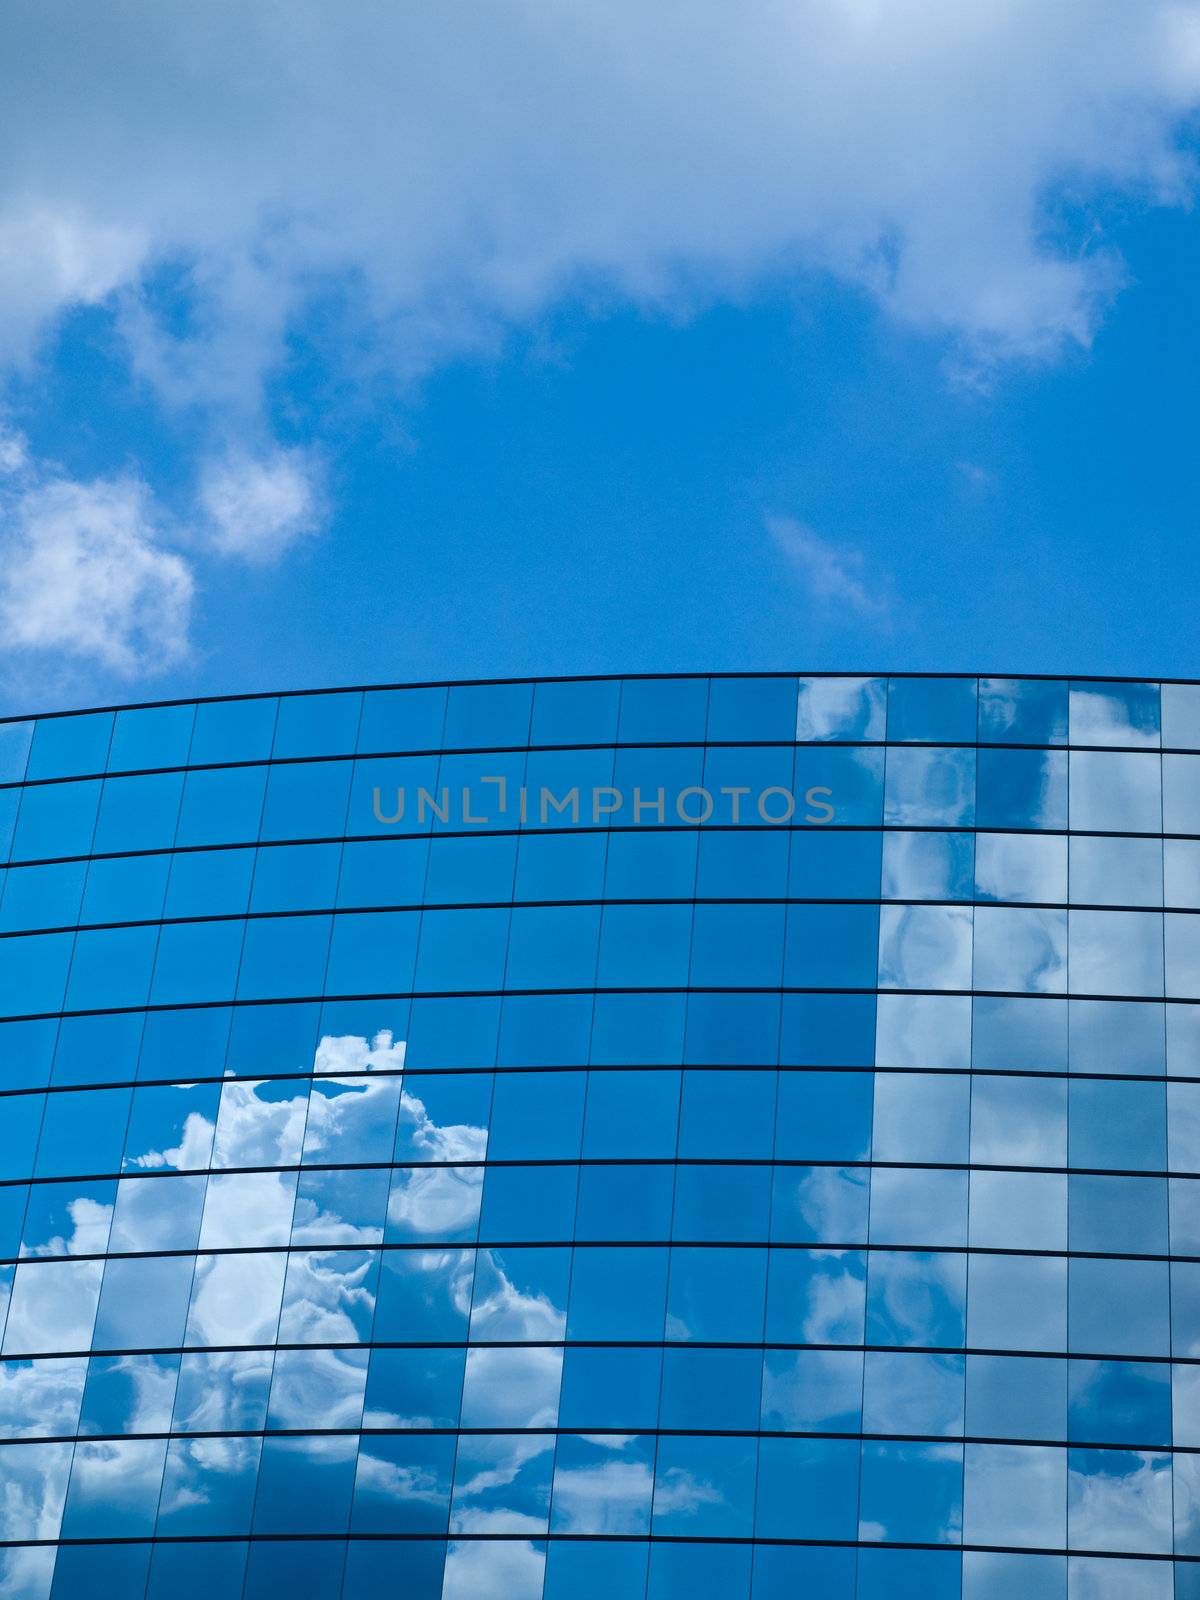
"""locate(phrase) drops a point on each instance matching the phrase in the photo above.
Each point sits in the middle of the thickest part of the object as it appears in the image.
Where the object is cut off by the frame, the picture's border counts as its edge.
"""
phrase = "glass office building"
(660, 1138)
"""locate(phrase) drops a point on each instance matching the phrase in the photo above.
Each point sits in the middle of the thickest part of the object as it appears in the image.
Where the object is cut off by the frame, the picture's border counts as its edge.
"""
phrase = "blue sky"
(846, 336)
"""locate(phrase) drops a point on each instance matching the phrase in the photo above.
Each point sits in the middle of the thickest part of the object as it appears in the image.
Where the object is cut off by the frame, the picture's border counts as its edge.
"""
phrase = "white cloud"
(833, 574)
(256, 507)
(84, 574)
(464, 169)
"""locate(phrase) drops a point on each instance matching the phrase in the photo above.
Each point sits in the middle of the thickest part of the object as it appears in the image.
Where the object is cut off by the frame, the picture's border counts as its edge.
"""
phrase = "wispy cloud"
(385, 188)
(99, 572)
(255, 507)
(84, 575)
(834, 574)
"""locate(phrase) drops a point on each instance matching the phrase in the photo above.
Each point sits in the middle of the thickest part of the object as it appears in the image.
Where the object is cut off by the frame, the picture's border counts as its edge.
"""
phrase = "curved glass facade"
(676, 1137)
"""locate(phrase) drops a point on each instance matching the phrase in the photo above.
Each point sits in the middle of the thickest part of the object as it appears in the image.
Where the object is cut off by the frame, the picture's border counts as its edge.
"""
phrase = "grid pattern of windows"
(652, 1137)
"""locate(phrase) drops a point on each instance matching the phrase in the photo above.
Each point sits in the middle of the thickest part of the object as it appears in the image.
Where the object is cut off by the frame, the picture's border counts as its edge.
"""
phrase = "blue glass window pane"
(298, 877)
(545, 1030)
(462, 950)
(377, 1566)
(644, 946)
(930, 788)
(722, 1204)
(617, 1294)
(625, 1202)
(841, 708)
(43, 897)
(196, 961)
(831, 946)
(152, 736)
(33, 975)
(711, 1389)
(221, 807)
(404, 1484)
(537, 1116)
(631, 1115)
(470, 871)
(316, 725)
(594, 1570)
(369, 953)
(382, 873)
(191, 1042)
(728, 1115)
(859, 775)
(732, 1028)
(233, 730)
(393, 795)
(1120, 1402)
(56, 819)
(749, 787)
(1022, 711)
(9, 801)
(560, 866)
(409, 1388)
(909, 1575)
(726, 1468)
(807, 1489)
(743, 865)
(610, 1387)
(752, 708)
(313, 1569)
(823, 1116)
(487, 716)
(1115, 713)
(15, 739)
(402, 719)
(582, 712)
(816, 1297)
(737, 946)
(564, 788)
(26, 1052)
(127, 889)
(83, 1132)
(65, 747)
(673, 710)
(85, 1570)
(284, 956)
(22, 1123)
(681, 1571)
(453, 1033)
(716, 1293)
(632, 1029)
(650, 866)
(648, 785)
(915, 1298)
(196, 1571)
(528, 1204)
(111, 967)
(936, 709)
(827, 1030)
(1022, 789)
(306, 801)
(98, 1049)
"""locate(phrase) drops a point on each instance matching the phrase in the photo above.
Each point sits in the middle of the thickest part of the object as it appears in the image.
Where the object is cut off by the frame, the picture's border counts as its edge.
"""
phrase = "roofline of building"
(576, 677)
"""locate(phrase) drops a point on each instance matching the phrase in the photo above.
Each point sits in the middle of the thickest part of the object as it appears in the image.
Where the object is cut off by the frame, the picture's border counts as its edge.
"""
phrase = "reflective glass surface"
(595, 1138)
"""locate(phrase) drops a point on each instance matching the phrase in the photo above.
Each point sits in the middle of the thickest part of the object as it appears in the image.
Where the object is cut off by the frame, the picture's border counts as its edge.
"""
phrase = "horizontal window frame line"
(771, 1345)
(750, 1541)
(424, 1246)
(538, 831)
(426, 752)
(773, 675)
(600, 1066)
(416, 907)
(368, 1432)
(623, 989)
(577, 1163)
